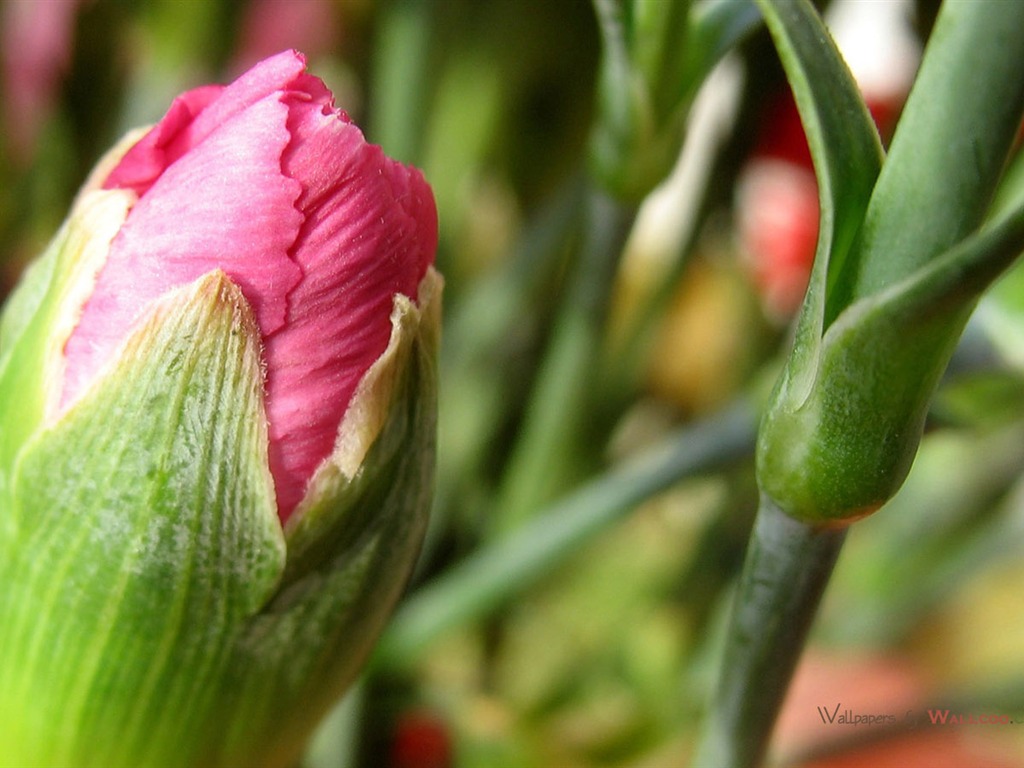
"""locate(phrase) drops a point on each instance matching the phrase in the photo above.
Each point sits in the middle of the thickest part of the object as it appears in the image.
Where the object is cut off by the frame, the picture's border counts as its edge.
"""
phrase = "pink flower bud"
(265, 180)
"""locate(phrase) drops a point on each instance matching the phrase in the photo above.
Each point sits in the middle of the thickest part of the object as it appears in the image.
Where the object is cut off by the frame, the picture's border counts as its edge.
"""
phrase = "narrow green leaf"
(950, 146)
(847, 159)
(715, 27)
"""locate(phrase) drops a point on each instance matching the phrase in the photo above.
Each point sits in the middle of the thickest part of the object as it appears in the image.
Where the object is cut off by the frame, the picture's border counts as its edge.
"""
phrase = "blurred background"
(607, 342)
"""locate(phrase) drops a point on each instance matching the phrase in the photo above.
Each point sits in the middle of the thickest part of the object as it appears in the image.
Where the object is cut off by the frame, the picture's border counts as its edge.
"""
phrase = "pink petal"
(147, 159)
(197, 113)
(370, 232)
(223, 205)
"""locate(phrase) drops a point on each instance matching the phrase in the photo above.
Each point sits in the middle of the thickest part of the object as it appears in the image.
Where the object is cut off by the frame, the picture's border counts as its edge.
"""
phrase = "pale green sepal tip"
(41, 314)
(147, 539)
(48, 299)
(70, 262)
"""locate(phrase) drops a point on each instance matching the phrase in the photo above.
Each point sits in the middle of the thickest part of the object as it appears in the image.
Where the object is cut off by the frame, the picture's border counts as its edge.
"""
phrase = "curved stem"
(787, 568)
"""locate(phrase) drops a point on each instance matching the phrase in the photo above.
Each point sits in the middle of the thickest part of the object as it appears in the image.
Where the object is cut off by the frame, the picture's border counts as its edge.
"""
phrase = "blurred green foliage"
(601, 653)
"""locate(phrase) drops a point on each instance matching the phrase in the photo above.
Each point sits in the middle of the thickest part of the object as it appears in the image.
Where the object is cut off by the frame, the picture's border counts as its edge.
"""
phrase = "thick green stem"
(787, 568)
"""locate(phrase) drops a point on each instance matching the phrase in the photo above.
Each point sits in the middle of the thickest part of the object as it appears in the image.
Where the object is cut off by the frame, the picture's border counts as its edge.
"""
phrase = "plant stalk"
(787, 567)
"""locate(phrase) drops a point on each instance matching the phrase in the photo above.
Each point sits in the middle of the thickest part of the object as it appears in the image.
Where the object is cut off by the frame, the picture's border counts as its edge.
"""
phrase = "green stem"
(787, 568)
(495, 574)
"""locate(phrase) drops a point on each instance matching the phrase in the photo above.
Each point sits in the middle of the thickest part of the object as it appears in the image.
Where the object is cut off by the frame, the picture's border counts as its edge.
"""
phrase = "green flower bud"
(656, 53)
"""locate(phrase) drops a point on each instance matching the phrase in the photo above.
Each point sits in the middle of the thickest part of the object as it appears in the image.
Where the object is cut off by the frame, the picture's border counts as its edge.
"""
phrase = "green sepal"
(392, 413)
(352, 543)
(43, 309)
(145, 538)
(154, 612)
(41, 313)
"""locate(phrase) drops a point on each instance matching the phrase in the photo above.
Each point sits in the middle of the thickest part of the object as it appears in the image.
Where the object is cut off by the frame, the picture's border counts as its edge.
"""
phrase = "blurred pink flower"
(267, 181)
(36, 42)
(777, 203)
(270, 25)
(778, 230)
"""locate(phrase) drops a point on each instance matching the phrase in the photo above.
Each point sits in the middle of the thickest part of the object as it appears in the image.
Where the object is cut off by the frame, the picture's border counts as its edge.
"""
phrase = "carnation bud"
(217, 425)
